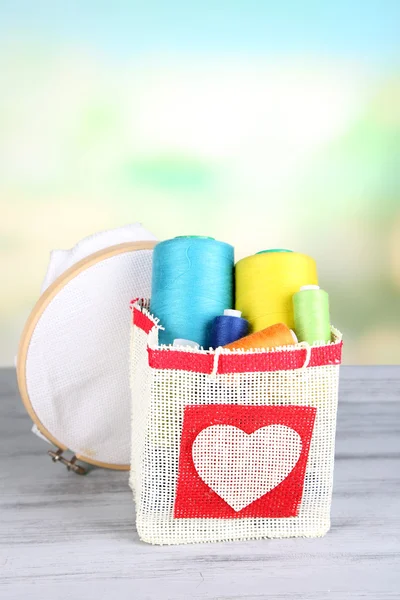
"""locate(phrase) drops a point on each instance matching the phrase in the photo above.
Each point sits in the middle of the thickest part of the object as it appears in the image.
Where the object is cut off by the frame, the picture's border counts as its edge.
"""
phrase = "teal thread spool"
(311, 314)
(192, 283)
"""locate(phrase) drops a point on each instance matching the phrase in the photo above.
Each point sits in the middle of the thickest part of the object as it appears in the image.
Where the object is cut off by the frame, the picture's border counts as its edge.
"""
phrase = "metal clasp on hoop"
(57, 456)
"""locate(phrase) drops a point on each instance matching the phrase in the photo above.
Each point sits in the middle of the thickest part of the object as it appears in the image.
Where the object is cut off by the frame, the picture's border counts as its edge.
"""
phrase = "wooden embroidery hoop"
(39, 309)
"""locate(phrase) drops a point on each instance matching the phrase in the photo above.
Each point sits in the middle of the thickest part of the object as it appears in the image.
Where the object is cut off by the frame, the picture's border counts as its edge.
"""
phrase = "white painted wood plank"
(68, 537)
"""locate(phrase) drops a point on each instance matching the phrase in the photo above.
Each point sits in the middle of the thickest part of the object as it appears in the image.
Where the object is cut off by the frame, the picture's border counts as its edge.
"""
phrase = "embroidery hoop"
(101, 261)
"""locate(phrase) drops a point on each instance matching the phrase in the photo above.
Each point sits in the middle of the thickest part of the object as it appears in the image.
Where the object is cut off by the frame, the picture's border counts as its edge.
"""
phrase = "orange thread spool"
(270, 337)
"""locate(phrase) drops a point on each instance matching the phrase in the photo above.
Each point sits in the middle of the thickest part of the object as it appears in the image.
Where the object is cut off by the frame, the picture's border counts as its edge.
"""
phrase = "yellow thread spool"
(265, 284)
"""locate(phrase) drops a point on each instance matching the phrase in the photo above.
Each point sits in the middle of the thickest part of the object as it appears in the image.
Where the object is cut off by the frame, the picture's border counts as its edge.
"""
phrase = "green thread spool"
(274, 250)
(311, 315)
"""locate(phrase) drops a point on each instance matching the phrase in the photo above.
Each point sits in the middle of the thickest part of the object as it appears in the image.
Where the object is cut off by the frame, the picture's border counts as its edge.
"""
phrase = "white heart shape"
(241, 468)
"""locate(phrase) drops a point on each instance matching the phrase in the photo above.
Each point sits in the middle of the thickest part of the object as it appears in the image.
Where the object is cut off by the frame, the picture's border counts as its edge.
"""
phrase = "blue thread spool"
(192, 283)
(228, 328)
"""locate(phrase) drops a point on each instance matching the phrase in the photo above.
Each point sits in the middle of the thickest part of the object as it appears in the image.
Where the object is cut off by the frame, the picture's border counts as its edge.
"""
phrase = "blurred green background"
(261, 124)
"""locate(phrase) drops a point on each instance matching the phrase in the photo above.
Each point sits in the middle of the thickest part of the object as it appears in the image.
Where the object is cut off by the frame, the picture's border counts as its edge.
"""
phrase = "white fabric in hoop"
(61, 260)
(76, 367)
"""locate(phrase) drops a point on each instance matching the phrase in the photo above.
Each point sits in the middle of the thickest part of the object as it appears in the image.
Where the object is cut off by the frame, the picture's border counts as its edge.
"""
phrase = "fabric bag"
(231, 445)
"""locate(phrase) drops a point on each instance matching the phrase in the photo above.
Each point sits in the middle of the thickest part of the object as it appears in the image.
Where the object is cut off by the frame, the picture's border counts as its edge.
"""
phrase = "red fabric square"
(195, 499)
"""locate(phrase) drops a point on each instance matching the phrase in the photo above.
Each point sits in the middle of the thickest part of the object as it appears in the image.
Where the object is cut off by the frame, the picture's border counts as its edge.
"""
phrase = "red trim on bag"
(142, 321)
(181, 361)
(133, 302)
(285, 360)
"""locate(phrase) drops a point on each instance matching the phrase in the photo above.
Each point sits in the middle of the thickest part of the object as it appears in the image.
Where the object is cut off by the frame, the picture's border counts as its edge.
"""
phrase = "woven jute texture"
(231, 445)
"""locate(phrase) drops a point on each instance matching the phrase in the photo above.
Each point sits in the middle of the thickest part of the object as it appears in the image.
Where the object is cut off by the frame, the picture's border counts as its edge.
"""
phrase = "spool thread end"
(197, 237)
(274, 250)
(186, 343)
(309, 287)
(230, 312)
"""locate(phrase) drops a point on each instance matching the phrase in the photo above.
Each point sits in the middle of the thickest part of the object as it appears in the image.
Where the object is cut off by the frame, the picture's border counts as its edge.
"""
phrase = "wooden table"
(68, 537)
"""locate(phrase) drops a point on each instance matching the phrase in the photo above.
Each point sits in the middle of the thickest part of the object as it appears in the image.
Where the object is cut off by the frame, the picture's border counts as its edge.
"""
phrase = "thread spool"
(192, 283)
(273, 336)
(228, 328)
(266, 282)
(311, 314)
(182, 343)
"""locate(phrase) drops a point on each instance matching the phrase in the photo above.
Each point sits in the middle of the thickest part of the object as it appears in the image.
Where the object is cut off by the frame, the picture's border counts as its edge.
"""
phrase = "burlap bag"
(231, 445)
